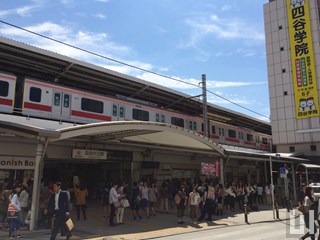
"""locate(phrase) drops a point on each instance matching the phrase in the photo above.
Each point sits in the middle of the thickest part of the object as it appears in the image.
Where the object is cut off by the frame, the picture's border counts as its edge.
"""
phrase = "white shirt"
(194, 198)
(113, 196)
(56, 200)
(259, 190)
(14, 200)
(24, 198)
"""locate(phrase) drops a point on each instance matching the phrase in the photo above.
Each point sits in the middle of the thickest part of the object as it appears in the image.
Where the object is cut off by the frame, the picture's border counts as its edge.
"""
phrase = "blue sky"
(178, 38)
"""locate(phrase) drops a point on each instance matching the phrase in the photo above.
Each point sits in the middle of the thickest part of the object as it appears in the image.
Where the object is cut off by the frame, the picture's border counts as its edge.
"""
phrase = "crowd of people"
(203, 199)
(200, 200)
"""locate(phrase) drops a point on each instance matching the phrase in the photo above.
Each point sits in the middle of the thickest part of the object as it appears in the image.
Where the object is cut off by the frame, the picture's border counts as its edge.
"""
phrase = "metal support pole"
(245, 209)
(221, 172)
(204, 106)
(277, 210)
(294, 183)
(36, 183)
(271, 178)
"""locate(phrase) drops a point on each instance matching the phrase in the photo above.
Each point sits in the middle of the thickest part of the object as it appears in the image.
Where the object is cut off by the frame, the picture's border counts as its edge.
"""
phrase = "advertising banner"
(302, 59)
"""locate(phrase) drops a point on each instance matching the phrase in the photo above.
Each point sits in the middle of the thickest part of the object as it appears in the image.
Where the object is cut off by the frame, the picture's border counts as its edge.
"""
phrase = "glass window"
(66, 100)
(249, 137)
(121, 112)
(57, 99)
(292, 149)
(177, 121)
(4, 89)
(35, 94)
(141, 115)
(114, 110)
(157, 117)
(265, 140)
(241, 135)
(232, 133)
(213, 130)
(91, 105)
(194, 126)
(163, 119)
(221, 131)
(190, 125)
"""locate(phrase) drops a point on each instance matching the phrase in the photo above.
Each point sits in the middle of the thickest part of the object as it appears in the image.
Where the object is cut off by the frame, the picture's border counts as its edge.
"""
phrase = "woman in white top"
(194, 200)
(24, 202)
(13, 213)
(113, 198)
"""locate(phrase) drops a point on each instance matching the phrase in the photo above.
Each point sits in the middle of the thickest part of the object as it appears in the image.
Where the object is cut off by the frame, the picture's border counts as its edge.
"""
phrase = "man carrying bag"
(58, 207)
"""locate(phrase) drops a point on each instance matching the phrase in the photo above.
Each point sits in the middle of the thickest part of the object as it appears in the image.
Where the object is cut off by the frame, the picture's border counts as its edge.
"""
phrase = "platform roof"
(26, 60)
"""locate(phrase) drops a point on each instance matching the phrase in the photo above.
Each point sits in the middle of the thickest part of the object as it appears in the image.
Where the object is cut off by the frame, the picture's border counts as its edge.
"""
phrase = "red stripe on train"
(36, 106)
(214, 136)
(7, 77)
(232, 140)
(90, 115)
(4, 101)
(250, 143)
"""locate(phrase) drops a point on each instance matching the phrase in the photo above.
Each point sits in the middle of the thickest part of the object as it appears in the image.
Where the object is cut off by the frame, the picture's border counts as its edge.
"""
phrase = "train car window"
(157, 117)
(57, 99)
(265, 140)
(190, 125)
(213, 130)
(241, 135)
(249, 137)
(114, 110)
(35, 94)
(221, 131)
(141, 115)
(202, 127)
(163, 119)
(91, 105)
(177, 121)
(232, 133)
(4, 89)
(121, 112)
(194, 126)
(257, 139)
(66, 100)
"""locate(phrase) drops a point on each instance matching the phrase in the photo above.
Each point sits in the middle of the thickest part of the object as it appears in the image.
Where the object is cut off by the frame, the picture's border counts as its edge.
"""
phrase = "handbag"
(117, 204)
(69, 224)
(125, 203)
(301, 208)
(177, 199)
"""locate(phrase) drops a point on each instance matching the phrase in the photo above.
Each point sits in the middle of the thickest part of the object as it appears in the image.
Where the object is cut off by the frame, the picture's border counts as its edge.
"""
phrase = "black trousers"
(58, 223)
(112, 214)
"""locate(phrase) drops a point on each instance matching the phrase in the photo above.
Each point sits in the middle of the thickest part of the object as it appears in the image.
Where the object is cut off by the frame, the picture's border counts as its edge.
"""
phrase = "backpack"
(177, 199)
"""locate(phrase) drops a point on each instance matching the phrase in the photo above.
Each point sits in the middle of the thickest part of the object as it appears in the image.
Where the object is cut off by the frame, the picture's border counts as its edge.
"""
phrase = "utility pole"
(204, 106)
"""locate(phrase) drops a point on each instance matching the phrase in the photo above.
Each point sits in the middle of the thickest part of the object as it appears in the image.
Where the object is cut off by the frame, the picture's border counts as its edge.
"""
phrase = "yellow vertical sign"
(302, 59)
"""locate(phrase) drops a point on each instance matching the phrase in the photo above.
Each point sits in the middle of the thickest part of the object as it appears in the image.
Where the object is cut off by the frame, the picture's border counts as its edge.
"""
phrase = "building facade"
(293, 58)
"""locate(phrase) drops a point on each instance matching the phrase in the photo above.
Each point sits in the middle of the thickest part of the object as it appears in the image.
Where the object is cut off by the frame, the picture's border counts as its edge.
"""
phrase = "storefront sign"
(17, 163)
(302, 59)
(89, 154)
(210, 169)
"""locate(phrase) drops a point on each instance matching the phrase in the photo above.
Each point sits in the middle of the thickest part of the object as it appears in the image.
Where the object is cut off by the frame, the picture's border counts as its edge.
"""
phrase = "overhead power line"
(128, 65)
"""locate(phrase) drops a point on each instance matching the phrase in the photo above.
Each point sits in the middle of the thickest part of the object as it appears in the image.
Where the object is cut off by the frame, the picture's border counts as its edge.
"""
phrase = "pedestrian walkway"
(160, 225)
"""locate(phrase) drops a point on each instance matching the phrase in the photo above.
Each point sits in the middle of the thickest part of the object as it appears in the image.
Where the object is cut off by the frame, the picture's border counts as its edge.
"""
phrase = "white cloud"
(229, 29)
(100, 15)
(22, 11)
(224, 84)
(226, 7)
(96, 42)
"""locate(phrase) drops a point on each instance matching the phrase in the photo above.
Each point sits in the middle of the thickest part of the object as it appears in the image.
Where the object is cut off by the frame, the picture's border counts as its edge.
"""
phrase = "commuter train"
(52, 101)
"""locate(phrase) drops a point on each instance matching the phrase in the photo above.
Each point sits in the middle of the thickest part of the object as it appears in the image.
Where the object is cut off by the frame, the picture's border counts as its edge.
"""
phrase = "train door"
(61, 105)
(118, 112)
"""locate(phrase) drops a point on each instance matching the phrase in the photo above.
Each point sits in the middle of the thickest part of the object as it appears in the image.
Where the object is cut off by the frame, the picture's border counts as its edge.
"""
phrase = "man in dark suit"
(58, 207)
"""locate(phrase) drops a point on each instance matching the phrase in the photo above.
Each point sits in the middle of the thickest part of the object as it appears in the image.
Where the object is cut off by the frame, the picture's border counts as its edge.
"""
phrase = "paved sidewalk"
(161, 225)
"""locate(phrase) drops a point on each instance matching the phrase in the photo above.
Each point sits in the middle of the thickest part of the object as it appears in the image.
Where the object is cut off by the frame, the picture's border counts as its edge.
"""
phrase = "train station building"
(125, 151)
